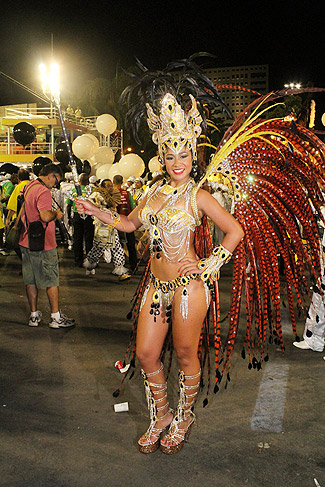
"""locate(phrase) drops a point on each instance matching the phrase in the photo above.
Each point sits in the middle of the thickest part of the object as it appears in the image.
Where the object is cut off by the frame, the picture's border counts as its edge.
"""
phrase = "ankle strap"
(192, 376)
(156, 371)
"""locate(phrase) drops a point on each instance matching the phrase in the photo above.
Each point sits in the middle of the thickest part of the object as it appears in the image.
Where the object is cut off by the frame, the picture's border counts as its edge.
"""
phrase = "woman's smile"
(178, 165)
(178, 170)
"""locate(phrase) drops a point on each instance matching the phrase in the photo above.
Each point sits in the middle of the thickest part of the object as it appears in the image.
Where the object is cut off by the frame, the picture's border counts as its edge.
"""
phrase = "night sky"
(89, 41)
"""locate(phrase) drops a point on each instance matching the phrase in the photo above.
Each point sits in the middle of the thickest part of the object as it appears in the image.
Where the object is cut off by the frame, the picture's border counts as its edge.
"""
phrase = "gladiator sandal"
(174, 441)
(149, 442)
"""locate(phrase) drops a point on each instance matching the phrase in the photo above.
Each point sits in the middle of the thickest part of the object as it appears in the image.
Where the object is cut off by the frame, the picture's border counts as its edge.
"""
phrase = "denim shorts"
(40, 269)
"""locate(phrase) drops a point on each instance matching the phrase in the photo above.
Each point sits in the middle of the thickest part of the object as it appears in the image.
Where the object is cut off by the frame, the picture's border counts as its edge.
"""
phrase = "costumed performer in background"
(106, 239)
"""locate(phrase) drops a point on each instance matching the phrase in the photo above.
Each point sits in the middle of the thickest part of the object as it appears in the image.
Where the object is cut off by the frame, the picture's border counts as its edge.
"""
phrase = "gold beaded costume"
(170, 226)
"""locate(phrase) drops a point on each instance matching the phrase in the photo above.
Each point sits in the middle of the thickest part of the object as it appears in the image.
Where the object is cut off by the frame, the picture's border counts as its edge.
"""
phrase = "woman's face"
(178, 166)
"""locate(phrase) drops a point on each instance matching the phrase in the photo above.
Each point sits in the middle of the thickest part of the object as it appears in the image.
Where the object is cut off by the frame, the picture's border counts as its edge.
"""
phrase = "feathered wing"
(276, 169)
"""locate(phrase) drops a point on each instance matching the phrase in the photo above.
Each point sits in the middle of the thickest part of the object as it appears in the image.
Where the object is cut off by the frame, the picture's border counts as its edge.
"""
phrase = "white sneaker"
(91, 272)
(88, 265)
(4, 252)
(34, 320)
(62, 322)
(119, 270)
(302, 345)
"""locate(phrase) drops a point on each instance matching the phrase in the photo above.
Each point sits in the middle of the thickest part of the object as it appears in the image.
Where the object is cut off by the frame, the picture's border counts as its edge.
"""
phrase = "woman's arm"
(123, 223)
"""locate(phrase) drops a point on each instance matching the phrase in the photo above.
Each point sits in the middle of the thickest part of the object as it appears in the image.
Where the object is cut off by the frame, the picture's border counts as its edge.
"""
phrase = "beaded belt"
(171, 286)
(164, 292)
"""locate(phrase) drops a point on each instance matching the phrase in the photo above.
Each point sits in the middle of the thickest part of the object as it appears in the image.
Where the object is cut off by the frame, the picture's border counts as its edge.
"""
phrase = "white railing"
(35, 148)
(51, 112)
(115, 143)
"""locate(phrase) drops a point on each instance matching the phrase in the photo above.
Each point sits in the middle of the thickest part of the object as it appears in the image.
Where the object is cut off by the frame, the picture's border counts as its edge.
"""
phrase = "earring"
(194, 168)
(163, 166)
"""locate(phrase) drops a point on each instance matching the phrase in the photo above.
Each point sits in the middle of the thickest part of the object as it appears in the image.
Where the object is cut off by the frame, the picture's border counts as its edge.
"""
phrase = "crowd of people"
(87, 238)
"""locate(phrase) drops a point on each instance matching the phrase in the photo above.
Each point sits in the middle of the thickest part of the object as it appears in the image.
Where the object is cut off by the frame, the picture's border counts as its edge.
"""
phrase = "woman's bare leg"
(186, 335)
(150, 339)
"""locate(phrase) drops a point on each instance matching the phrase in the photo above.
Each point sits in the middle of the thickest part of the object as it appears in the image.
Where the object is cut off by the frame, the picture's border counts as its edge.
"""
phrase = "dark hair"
(155, 179)
(200, 165)
(14, 178)
(118, 179)
(103, 183)
(84, 179)
(23, 175)
(51, 169)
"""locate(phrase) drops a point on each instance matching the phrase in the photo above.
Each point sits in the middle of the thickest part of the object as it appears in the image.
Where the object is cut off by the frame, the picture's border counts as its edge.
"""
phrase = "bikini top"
(168, 220)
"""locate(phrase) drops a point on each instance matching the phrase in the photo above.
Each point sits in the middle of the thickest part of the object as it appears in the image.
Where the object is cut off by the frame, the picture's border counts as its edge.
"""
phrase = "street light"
(51, 89)
(293, 85)
(50, 82)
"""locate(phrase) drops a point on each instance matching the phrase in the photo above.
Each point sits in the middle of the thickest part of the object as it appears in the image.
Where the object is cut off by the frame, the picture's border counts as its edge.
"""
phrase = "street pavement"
(58, 427)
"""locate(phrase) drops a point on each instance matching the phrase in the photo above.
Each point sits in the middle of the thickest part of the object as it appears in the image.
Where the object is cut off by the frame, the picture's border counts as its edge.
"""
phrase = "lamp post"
(51, 89)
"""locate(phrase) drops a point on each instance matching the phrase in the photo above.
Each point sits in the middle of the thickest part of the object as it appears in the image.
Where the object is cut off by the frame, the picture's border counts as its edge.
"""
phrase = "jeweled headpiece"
(174, 128)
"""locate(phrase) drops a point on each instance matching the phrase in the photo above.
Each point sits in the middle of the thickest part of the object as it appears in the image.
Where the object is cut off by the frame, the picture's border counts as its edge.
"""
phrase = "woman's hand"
(189, 266)
(86, 207)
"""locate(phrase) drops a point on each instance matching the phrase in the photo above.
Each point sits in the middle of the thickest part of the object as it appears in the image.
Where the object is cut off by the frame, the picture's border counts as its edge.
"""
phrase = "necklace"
(168, 189)
(171, 240)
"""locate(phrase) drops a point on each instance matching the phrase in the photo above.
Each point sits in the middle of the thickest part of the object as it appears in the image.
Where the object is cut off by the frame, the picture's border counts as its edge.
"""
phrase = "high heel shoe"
(176, 437)
(149, 446)
(149, 442)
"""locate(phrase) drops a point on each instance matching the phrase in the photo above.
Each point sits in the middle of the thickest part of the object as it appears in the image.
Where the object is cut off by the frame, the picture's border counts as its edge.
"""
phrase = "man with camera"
(38, 245)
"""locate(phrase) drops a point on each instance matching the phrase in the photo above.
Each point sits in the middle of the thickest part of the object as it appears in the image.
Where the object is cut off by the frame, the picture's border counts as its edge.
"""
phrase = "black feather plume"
(180, 78)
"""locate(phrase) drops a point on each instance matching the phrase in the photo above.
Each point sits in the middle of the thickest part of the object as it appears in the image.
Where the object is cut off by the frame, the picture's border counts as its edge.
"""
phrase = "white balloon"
(154, 164)
(104, 155)
(106, 124)
(323, 119)
(84, 147)
(131, 165)
(103, 171)
(94, 139)
(114, 170)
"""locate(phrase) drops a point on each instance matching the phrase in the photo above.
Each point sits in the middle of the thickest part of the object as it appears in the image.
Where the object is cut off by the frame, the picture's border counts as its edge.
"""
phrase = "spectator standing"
(41, 268)
(69, 110)
(83, 228)
(6, 191)
(78, 112)
(12, 205)
(139, 190)
(124, 208)
(23, 179)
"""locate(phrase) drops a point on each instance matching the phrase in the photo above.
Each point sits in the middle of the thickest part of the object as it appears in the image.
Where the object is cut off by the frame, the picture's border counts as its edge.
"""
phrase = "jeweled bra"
(166, 216)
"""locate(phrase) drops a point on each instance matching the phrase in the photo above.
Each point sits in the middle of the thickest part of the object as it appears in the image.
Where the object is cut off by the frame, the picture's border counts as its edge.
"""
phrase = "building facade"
(253, 81)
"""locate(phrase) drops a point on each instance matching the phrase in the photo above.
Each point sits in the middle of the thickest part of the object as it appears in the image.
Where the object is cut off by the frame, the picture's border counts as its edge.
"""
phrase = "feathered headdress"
(174, 100)
(173, 128)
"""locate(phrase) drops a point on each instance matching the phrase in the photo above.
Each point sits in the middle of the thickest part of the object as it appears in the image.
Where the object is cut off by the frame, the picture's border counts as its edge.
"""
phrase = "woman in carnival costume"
(180, 282)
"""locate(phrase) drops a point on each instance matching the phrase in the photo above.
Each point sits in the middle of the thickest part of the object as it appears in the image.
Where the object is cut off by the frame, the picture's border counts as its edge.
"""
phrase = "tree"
(292, 105)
